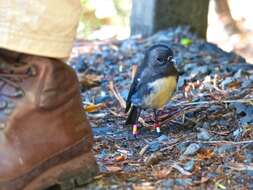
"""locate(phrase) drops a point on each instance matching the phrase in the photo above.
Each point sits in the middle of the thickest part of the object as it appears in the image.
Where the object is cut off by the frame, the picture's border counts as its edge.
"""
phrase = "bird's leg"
(157, 124)
(136, 125)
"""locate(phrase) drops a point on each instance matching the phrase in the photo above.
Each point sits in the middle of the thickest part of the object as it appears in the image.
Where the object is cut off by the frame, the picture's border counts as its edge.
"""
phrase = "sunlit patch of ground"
(241, 43)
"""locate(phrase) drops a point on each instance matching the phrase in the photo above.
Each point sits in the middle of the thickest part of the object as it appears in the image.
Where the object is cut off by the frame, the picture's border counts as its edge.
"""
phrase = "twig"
(117, 95)
(134, 70)
(180, 169)
(240, 166)
(221, 142)
(115, 113)
(142, 121)
(215, 102)
(143, 150)
(178, 141)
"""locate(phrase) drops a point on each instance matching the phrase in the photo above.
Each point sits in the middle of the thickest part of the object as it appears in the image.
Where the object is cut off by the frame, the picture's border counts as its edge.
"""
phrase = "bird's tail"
(133, 115)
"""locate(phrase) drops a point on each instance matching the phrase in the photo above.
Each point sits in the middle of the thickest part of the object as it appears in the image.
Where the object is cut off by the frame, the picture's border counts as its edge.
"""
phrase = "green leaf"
(220, 186)
(185, 41)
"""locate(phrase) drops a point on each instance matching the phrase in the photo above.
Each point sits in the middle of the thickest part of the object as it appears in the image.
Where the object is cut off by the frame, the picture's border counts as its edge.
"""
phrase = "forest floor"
(207, 128)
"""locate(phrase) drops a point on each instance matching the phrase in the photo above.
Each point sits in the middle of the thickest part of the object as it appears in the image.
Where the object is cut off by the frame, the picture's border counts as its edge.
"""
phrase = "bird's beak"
(173, 61)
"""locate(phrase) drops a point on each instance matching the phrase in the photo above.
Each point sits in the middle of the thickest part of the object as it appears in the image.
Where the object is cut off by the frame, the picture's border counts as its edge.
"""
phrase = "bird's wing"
(135, 98)
(135, 83)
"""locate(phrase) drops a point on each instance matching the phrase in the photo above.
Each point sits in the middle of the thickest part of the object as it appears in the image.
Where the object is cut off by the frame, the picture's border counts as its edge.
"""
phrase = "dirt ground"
(207, 127)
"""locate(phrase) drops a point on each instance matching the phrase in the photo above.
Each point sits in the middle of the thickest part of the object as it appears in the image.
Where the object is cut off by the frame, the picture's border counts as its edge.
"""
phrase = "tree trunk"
(149, 16)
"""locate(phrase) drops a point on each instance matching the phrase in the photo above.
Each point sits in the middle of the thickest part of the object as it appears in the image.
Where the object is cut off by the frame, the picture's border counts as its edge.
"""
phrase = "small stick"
(222, 142)
(117, 95)
(142, 121)
(215, 102)
(134, 70)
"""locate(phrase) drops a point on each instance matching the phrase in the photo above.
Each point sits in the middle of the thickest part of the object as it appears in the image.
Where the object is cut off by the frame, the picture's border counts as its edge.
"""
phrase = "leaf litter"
(207, 128)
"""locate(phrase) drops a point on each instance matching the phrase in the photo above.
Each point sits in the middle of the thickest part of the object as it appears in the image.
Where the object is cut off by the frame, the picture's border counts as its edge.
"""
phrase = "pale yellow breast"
(163, 90)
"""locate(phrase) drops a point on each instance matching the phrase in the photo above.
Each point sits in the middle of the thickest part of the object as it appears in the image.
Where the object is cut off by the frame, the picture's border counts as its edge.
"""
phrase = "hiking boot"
(45, 138)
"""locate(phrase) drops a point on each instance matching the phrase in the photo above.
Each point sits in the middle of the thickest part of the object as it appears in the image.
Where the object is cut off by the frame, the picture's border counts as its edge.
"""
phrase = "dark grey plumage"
(157, 64)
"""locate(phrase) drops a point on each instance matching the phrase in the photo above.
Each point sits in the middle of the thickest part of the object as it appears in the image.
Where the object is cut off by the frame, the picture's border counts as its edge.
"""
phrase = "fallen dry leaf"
(113, 168)
(144, 186)
(234, 85)
(205, 154)
(94, 107)
(120, 158)
(161, 174)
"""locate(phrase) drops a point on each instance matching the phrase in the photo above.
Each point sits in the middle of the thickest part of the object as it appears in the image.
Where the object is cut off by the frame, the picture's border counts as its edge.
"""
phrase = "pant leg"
(39, 27)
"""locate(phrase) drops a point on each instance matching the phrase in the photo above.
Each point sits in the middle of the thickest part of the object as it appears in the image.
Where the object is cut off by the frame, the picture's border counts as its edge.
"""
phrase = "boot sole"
(80, 171)
(75, 166)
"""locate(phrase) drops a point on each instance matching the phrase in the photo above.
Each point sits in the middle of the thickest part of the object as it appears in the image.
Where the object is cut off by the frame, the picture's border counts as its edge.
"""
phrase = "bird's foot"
(157, 127)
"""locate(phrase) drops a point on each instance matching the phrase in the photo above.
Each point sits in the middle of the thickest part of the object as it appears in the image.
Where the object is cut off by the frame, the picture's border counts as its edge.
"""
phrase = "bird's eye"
(160, 59)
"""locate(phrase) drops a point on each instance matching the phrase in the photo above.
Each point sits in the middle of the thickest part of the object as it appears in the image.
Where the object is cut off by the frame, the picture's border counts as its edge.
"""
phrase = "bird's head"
(160, 55)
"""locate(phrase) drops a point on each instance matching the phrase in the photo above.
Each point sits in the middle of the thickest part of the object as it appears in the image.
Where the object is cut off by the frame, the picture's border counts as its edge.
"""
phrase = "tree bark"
(149, 16)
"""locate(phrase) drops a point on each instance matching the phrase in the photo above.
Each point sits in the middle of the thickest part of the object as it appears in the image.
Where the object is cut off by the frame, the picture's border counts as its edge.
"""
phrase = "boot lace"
(10, 78)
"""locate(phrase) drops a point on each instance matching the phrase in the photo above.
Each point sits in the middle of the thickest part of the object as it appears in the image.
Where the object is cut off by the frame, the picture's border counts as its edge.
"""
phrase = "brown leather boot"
(45, 138)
